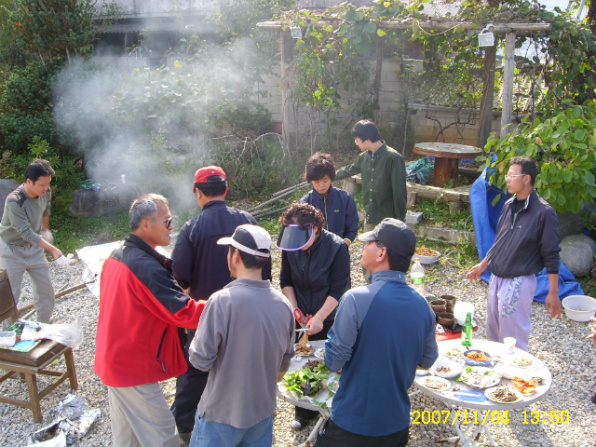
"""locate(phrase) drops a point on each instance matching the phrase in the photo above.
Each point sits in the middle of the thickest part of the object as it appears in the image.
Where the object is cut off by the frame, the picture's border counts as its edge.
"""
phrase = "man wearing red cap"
(201, 266)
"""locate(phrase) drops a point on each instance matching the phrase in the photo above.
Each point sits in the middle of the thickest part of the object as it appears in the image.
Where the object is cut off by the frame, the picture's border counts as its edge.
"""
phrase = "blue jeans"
(214, 434)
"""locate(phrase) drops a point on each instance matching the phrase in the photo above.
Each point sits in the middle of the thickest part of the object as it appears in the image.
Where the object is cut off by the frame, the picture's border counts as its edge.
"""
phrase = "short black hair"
(303, 214)
(213, 188)
(396, 262)
(38, 168)
(252, 262)
(528, 166)
(366, 130)
(318, 166)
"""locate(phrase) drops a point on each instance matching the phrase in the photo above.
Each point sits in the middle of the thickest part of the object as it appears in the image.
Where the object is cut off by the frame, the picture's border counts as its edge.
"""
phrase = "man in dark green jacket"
(383, 172)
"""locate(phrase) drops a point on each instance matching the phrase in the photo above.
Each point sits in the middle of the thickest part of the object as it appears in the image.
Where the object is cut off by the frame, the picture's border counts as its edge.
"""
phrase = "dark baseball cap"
(395, 235)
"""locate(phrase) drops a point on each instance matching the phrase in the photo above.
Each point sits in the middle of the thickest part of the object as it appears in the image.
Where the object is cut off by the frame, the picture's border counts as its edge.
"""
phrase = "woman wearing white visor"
(315, 273)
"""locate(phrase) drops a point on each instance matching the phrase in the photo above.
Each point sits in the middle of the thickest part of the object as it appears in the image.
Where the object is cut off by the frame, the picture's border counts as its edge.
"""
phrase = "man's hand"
(553, 304)
(475, 272)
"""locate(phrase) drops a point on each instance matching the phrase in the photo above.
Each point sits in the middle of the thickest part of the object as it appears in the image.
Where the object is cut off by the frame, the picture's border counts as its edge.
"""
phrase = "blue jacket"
(199, 263)
(339, 210)
(382, 332)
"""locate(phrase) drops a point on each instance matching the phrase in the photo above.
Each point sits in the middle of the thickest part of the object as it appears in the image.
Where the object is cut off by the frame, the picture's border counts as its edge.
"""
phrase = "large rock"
(577, 253)
(574, 223)
(6, 187)
(91, 203)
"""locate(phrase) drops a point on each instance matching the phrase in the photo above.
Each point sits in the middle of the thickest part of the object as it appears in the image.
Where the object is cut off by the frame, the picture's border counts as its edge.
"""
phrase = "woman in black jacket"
(315, 273)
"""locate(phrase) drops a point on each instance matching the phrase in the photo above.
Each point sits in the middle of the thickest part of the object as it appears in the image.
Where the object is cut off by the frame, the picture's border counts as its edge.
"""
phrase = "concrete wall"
(160, 8)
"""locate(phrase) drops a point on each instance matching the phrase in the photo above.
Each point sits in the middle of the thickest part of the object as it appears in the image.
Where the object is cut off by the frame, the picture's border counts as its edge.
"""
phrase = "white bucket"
(460, 311)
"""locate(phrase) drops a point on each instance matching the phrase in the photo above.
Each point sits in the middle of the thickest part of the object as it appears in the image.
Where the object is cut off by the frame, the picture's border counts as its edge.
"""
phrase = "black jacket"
(199, 263)
(321, 271)
(527, 242)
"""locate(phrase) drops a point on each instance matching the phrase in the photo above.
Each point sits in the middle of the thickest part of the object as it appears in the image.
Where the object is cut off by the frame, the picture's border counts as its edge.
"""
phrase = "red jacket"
(140, 308)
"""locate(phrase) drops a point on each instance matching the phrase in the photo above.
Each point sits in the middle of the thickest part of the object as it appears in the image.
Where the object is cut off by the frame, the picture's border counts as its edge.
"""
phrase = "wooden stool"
(33, 363)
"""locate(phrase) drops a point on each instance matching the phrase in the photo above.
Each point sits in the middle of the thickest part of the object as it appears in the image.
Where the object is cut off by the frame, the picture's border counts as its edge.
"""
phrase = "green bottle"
(466, 333)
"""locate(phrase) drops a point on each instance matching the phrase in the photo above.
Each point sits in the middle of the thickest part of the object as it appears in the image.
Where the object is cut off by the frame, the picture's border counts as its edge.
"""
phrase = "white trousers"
(141, 417)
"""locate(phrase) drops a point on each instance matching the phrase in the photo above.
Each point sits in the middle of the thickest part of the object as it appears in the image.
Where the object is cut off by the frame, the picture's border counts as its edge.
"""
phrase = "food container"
(450, 300)
(438, 306)
(579, 307)
(472, 362)
(430, 256)
(8, 338)
(446, 319)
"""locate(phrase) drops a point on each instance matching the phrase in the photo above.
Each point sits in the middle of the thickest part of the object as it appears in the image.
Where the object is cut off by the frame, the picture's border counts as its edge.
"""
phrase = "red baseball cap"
(203, 174)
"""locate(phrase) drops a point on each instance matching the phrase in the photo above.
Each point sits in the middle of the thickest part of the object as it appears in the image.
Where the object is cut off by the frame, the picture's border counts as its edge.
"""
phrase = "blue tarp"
(481, 198)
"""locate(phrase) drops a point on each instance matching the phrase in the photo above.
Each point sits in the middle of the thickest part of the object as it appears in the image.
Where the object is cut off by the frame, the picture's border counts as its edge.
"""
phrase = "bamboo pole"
(433, 24)
(59, 295)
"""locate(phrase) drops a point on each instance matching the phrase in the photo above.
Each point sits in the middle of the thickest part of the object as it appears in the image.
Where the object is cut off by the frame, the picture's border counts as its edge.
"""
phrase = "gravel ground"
(559, 343)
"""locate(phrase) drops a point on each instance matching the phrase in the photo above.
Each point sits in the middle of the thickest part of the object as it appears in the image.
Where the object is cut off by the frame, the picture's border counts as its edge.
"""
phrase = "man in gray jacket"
(245, 340)
(25, 234)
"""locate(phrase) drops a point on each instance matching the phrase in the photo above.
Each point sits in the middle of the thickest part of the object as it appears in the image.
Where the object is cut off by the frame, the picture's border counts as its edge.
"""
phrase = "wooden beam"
(508, 77)
(430, 25)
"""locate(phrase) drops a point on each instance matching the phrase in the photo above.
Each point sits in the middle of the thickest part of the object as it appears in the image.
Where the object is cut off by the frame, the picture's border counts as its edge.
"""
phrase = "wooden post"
(486, 107)
(377, 82)
(508, 83)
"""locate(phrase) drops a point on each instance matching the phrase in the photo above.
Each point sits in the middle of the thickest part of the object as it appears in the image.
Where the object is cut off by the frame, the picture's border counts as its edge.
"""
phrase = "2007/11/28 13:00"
(493, 416)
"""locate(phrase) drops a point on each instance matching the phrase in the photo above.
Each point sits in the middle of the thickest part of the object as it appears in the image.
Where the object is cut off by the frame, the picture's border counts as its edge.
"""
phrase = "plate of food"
(503, 395)
(480, 377)
(421, 371)
(320, 353)
(446, 368)
(475, 357)
(303, 351)
(455, 353)
(426, 255)
(307, 381)
(523, 361)
(526, 386)
(435, 383)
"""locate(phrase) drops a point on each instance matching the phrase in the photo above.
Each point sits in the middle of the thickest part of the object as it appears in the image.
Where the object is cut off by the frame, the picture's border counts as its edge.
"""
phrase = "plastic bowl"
(427, 260)
(579, 307)
(477, 362)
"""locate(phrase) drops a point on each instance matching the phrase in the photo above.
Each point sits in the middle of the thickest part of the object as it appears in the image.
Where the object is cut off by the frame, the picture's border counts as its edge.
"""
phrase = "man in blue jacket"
(382, 332)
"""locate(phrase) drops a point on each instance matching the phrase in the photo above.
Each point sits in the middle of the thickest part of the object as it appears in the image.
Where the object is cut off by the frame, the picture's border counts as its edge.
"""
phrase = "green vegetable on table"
(306, 381)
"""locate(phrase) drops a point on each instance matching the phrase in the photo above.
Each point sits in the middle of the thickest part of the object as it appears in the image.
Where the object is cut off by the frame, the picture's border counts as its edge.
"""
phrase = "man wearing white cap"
(245, 342)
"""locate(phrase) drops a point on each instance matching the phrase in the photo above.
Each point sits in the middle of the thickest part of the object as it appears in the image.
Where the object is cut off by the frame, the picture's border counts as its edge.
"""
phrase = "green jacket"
(384, 191)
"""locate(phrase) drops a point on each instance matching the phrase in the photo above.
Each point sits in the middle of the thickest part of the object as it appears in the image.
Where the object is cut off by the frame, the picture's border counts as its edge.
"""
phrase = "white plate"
(519, 396)
(320, 353)
(432, 381)
(421, 372)
(456, 352)
(312, 350)
(523, 361)
(480, 377)
(450, 368)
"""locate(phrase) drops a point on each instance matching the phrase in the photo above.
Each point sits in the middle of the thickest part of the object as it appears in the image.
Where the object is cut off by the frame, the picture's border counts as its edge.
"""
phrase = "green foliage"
(237, 18)
(54, 28)
(73, 233)
(564, 146)
(68, 176)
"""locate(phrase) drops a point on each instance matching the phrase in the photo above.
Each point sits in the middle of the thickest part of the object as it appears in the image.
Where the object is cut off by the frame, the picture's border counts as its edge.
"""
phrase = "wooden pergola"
(511, 30)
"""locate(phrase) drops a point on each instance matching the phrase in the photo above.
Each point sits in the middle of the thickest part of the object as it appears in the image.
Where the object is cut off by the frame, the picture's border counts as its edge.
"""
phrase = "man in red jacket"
(137, 344)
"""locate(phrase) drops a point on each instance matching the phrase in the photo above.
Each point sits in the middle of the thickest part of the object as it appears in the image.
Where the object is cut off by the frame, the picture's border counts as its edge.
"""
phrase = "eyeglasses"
(510, 176)
(168, 223)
